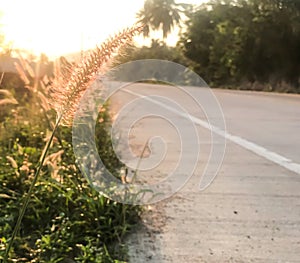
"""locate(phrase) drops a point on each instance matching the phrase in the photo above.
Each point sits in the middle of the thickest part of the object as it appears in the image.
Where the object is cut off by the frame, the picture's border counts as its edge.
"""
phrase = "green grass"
(66, 219)
(48, 211)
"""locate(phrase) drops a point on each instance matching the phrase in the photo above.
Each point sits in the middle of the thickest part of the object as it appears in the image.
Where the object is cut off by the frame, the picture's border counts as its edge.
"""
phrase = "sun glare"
(59, 27)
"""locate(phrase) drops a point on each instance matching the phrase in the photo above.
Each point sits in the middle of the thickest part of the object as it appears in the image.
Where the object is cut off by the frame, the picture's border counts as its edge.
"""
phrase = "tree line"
(253, 44)
(245, 41)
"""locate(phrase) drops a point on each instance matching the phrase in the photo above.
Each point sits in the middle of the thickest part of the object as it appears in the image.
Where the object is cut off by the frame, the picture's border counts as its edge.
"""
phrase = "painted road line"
(257, 149)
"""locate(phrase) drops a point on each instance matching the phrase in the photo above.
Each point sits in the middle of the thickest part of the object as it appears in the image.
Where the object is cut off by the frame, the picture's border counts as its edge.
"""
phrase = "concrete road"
(251, 211)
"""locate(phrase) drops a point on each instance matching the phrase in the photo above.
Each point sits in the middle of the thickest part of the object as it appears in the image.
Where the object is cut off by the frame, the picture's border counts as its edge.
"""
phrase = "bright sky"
(57, 27)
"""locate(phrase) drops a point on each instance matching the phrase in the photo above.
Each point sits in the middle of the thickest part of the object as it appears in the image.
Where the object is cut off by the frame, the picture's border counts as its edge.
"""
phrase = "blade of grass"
(139, 163)
(1, 78)
(27, 198)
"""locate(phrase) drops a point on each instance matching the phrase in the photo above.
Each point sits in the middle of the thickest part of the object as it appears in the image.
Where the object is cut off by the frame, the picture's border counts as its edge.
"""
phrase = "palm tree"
(161, 14)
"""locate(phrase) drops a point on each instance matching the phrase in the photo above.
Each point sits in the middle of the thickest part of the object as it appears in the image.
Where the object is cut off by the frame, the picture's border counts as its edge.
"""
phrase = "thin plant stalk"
(1, 78)
(27, 198)
(139, 162)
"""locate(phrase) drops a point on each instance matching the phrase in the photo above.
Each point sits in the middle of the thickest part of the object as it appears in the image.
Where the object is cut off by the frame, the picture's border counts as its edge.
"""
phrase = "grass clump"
(66, 218)
(48, 211)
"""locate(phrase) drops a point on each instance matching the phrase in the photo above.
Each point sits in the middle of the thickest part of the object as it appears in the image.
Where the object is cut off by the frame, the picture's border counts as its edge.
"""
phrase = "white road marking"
(257, 149)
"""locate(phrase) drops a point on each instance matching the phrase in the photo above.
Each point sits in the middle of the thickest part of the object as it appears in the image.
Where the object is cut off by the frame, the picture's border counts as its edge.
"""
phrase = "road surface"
(251, 211)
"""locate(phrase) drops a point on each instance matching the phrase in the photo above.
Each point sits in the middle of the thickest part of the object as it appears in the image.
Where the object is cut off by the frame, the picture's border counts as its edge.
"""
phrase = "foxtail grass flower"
(73, 80)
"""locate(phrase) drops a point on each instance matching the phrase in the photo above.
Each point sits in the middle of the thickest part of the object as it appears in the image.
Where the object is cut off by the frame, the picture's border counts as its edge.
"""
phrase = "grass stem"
(27, 198)
(139, 162)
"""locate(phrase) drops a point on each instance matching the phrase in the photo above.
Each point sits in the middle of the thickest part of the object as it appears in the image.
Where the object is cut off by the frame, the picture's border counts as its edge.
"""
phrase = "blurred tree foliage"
(158, 50)
(245, 41)
(162, 15)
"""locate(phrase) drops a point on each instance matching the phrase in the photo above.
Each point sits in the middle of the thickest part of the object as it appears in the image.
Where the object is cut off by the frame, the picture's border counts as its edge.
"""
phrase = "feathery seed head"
(73, 80)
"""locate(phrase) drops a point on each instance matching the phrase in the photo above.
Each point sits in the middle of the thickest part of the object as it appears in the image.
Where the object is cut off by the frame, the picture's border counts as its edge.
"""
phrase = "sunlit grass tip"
(73, 80)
